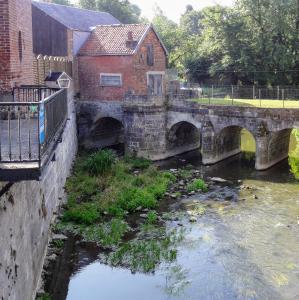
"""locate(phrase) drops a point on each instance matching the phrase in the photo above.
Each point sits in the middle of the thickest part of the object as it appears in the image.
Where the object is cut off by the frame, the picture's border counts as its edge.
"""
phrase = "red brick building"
(122, 59)
(16, 55)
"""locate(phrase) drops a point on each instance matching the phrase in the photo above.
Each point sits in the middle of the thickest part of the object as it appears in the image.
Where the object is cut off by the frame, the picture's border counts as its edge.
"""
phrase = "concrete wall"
(26, 212)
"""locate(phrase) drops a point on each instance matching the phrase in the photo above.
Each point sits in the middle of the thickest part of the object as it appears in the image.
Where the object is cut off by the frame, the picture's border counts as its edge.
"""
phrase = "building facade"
(16, 54)
(122, 60)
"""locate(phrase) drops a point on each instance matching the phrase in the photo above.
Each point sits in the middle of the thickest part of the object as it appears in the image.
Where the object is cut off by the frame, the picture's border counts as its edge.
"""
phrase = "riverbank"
(234, 250)
(121, 205)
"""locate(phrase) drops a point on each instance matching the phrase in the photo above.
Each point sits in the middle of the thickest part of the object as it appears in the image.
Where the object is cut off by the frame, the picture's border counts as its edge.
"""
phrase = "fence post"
(212, 92)
(260, 97)
(253, 92)
(232, 95)
(282, 95)
(278, 92)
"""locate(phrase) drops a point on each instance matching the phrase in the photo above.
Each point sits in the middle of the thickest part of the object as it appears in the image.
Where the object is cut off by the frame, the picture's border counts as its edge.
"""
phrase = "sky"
(174, 8)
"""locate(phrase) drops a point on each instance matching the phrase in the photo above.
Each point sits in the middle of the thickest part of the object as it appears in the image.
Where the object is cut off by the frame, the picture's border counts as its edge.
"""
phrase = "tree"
(123, 10)
(63, 2)
(190, 21)
(88, 4)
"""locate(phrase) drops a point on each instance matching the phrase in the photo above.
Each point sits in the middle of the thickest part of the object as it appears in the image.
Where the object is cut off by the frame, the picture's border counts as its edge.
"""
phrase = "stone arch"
(106, 131)
(222, 144)
(278, 145)
(228, 140)
(183, 137)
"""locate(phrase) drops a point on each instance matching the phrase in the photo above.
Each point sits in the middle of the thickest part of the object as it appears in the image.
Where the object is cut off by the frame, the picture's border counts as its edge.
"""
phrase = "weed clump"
(197, 185)
(100, 162)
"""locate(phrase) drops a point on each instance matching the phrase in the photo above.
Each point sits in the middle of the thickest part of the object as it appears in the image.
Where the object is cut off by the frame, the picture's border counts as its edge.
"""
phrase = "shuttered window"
(111, 80)
(150, 55)
(155, 84)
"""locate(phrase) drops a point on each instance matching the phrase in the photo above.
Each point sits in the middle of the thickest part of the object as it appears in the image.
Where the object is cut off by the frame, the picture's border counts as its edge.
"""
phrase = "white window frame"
(155, 73)
(111, 74)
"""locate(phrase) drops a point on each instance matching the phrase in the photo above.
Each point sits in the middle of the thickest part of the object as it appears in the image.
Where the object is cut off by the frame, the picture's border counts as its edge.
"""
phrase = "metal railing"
(30, 123)
(278, 96)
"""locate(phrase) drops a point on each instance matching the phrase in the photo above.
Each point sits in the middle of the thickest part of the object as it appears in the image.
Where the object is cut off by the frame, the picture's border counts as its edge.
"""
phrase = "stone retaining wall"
(26, 212)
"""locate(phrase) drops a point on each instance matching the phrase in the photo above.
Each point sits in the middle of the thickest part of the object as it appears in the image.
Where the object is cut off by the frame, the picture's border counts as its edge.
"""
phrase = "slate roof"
(76, 18)
(112, 40)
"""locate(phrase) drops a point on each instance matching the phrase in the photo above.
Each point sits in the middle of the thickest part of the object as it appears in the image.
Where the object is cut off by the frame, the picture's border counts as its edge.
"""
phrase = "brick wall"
(133, 68)
(16, 55)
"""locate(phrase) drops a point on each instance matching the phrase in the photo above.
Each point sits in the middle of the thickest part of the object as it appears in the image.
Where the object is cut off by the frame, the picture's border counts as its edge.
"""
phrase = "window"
(150, 55)
(20, 46)
(155, 83)
(111, 80)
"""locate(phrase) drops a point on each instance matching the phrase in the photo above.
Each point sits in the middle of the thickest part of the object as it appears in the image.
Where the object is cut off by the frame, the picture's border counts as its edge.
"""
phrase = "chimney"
(130, 36)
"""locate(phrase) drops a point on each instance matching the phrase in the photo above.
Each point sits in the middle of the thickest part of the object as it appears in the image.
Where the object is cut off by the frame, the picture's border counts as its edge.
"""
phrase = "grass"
(197, 185)
(103, 190)
(250, 102)
(44, 297)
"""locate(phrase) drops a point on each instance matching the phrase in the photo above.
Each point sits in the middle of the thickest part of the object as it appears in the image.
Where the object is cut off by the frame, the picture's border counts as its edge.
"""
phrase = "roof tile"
(112, 40)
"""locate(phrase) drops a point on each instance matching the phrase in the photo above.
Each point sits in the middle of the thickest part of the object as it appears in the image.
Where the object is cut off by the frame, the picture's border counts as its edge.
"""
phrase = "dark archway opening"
(234, 140)
(183, 137)
(106, 132)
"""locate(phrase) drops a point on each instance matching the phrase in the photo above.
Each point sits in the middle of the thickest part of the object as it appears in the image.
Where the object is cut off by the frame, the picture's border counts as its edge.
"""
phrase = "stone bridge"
(157, 128)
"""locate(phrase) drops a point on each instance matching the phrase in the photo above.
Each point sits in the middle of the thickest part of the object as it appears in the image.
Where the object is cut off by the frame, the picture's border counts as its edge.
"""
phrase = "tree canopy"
(255, 41)
(123, 10)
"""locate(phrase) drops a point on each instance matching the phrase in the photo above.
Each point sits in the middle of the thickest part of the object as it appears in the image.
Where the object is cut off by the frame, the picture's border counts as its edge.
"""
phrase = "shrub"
(85, 213)
(151, 217)
(197, 185)
(138, 162)
(100, 162)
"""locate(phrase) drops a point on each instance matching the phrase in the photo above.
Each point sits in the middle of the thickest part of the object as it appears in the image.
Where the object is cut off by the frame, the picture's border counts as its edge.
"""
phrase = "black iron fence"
(30, 123)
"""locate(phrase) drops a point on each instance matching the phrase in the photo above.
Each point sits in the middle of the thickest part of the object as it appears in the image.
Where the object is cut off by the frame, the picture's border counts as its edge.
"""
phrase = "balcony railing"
(30, 126)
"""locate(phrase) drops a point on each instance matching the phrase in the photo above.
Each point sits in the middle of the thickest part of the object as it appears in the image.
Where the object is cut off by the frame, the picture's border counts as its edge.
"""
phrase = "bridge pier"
(271, 148)
(145, 127)
(217, 147)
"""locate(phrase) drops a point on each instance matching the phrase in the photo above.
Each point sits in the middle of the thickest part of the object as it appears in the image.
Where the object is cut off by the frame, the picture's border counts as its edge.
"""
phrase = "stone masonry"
(158, 129)
(26, 211)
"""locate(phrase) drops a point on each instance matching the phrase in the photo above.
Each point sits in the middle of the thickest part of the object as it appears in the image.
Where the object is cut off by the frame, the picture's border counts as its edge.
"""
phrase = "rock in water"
(218, 179)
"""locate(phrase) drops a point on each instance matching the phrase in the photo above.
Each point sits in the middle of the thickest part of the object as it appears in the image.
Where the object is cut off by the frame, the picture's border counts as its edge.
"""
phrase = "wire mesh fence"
(278, 96)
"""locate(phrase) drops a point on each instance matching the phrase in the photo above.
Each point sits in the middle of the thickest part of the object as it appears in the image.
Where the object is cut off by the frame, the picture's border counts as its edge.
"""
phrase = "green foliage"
(108, 234)
(145, 254)
(44, 296)
(63, 2)
(113, 193)
(84, 213)
(294, 156)
(254, 41)
(151, 217)
(123, 10)
(58, 244)
(100, 162)
(197, 185)
(138, 162)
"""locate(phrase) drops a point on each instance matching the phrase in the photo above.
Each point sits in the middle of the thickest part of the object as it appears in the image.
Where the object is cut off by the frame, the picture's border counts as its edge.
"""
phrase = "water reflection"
(244, 246)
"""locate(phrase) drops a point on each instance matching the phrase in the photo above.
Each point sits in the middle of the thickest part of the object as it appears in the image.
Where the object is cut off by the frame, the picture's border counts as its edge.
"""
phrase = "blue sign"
(42, 123)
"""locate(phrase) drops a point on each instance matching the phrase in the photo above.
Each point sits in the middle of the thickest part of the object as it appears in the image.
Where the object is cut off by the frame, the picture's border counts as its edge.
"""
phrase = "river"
(245, 245)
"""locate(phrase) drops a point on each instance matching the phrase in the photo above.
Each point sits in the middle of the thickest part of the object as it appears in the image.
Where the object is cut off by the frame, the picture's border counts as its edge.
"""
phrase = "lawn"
(250, 102)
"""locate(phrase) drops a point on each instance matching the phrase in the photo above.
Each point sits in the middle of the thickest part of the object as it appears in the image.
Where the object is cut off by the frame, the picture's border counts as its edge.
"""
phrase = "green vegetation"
(197, 185)
(108, 196)
(100, 162)
(254, 41)
(250, 102)
(146, 252)
(294, 156)
(103, 190)
(45, 296)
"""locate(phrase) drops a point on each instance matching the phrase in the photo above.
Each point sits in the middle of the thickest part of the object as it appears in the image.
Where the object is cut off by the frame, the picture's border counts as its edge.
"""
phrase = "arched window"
(20, 46)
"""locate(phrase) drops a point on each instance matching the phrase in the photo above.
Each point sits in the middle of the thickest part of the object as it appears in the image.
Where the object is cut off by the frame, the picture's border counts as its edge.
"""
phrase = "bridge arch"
(279, 145)
(105, 131)
(182, 137)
